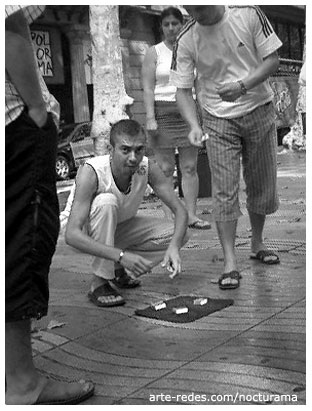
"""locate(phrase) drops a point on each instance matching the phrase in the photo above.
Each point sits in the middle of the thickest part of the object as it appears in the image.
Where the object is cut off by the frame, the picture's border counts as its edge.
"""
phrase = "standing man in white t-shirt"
(234, 51)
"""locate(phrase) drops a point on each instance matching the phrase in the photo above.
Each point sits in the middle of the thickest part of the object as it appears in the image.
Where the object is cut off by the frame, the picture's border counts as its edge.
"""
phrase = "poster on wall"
(42, 45)
(285, 86)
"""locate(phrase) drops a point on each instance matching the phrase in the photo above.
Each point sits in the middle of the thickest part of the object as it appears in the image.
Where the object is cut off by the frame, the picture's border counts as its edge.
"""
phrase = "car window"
(65, 131)
(82, 131)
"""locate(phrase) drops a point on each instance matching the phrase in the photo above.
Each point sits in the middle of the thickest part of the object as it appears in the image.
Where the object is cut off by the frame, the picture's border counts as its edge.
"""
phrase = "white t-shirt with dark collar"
(225, 52)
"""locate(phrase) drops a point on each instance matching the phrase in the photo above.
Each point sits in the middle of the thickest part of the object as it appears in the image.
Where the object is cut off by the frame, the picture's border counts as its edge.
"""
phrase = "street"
(252, 352)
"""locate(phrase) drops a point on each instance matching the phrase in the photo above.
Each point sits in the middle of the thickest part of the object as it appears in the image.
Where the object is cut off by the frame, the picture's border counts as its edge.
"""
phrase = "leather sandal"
(124, 280)
(105, 290)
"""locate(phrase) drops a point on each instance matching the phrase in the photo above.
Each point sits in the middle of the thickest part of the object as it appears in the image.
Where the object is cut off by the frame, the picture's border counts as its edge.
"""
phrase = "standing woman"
(166, 128)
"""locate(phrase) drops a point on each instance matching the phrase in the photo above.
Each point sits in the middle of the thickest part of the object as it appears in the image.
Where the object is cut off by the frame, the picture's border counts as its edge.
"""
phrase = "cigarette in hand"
(171, 270)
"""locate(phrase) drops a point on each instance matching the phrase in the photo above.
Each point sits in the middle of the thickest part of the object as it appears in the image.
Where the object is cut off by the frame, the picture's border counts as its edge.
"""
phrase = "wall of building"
(139, 29)
(136, 38)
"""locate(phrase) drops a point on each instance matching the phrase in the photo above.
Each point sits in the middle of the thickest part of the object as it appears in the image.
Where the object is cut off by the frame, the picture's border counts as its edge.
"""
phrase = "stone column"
(76, 35)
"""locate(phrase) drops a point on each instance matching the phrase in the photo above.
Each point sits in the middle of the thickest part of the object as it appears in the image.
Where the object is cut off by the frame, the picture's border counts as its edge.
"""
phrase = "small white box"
(159, 306)
(200, 301)
(180, 310)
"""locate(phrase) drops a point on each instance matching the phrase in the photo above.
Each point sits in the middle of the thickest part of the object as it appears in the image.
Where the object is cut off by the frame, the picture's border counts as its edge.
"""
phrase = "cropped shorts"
(32, 216)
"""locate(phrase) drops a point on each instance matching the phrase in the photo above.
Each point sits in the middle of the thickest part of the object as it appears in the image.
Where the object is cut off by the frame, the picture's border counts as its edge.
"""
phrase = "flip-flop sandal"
(200, 225)
(87, 390)
(233, 275)
(265, 256)
(123, 280)
(105, 290)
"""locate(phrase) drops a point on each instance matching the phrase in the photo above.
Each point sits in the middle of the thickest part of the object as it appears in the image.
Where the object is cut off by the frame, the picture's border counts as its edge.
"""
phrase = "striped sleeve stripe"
(11, 9)
(30, 12)
(184, 30)
(33, 12)
(266, 26)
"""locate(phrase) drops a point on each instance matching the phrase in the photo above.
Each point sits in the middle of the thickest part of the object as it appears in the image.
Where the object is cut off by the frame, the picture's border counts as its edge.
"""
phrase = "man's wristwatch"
(121, 254)
(243, 87)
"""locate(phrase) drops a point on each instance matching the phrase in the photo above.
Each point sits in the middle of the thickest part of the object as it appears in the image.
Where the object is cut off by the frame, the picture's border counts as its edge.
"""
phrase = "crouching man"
(103, 218)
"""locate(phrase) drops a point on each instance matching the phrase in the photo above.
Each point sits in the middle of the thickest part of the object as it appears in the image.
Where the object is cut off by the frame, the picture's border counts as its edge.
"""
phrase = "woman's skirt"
(172, 130)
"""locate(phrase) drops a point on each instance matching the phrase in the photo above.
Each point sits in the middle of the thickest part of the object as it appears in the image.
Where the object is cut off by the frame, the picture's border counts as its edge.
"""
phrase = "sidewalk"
(251, 352)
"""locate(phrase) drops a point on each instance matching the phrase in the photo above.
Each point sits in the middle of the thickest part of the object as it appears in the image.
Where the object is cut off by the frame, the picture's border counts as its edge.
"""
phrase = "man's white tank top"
(128, 203)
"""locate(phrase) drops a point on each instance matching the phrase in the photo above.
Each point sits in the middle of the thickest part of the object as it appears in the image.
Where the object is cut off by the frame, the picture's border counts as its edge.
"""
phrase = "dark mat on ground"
(194, 311)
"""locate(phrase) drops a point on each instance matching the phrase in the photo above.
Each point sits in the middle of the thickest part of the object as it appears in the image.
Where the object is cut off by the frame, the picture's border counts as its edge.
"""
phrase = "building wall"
(139, 29)
(134, 48)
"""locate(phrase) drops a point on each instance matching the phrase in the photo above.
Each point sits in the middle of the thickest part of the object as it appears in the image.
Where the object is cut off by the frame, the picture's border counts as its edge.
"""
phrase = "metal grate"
(291, 246)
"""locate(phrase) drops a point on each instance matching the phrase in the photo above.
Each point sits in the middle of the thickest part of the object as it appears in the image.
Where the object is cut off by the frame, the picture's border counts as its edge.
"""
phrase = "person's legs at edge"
(24, 384)
(165, 157)
(29, 249)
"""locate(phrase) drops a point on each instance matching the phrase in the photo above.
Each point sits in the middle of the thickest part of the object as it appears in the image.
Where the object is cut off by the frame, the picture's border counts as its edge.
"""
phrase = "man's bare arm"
(21, 68)
(232, 91)
(188, 111)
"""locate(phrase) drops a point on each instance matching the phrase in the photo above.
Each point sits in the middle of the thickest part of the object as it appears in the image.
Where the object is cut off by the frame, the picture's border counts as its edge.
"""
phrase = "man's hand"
(196, 136)
(136, 264)
(39, 115)
(172, 261)
(229, 91)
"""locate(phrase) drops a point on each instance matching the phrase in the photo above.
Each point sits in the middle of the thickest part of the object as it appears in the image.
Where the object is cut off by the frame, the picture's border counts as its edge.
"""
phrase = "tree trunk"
(110, 97)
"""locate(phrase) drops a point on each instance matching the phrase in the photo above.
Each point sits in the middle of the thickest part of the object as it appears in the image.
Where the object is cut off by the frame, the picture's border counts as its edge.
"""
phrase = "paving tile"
(152, 341)
(78, 320)
(257, 346)
(77, 349)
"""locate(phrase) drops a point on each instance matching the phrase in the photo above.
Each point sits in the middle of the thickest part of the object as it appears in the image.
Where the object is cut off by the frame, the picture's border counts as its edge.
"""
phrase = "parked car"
(74, 147)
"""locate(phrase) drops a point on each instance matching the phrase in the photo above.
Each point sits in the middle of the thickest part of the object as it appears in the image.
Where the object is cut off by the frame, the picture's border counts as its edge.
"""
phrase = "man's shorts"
(32, 215)
(252, 140)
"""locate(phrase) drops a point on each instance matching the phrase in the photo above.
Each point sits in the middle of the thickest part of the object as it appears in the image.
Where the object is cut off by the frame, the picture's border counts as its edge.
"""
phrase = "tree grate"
(291, 246)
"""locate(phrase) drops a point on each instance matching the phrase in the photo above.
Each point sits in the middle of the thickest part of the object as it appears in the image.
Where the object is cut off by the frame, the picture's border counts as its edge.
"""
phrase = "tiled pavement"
(251, 352)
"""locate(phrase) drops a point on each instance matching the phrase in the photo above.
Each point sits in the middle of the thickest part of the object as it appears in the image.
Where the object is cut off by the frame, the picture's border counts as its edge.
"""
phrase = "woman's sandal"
(233, 275)
(105, 290)
(200, 225)
(123, 280)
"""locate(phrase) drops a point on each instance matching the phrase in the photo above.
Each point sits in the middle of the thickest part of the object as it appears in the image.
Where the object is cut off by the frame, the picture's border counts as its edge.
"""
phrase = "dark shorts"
(32, 216)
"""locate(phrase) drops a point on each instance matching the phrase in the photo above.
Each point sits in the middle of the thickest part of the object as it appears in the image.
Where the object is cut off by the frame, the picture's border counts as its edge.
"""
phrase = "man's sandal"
(124, 280)
(266, 257)
(233, 275)
(200, 225)
(105, 290)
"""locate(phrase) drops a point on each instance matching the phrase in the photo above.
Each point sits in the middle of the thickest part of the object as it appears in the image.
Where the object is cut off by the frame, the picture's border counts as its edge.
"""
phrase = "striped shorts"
(252, 139)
